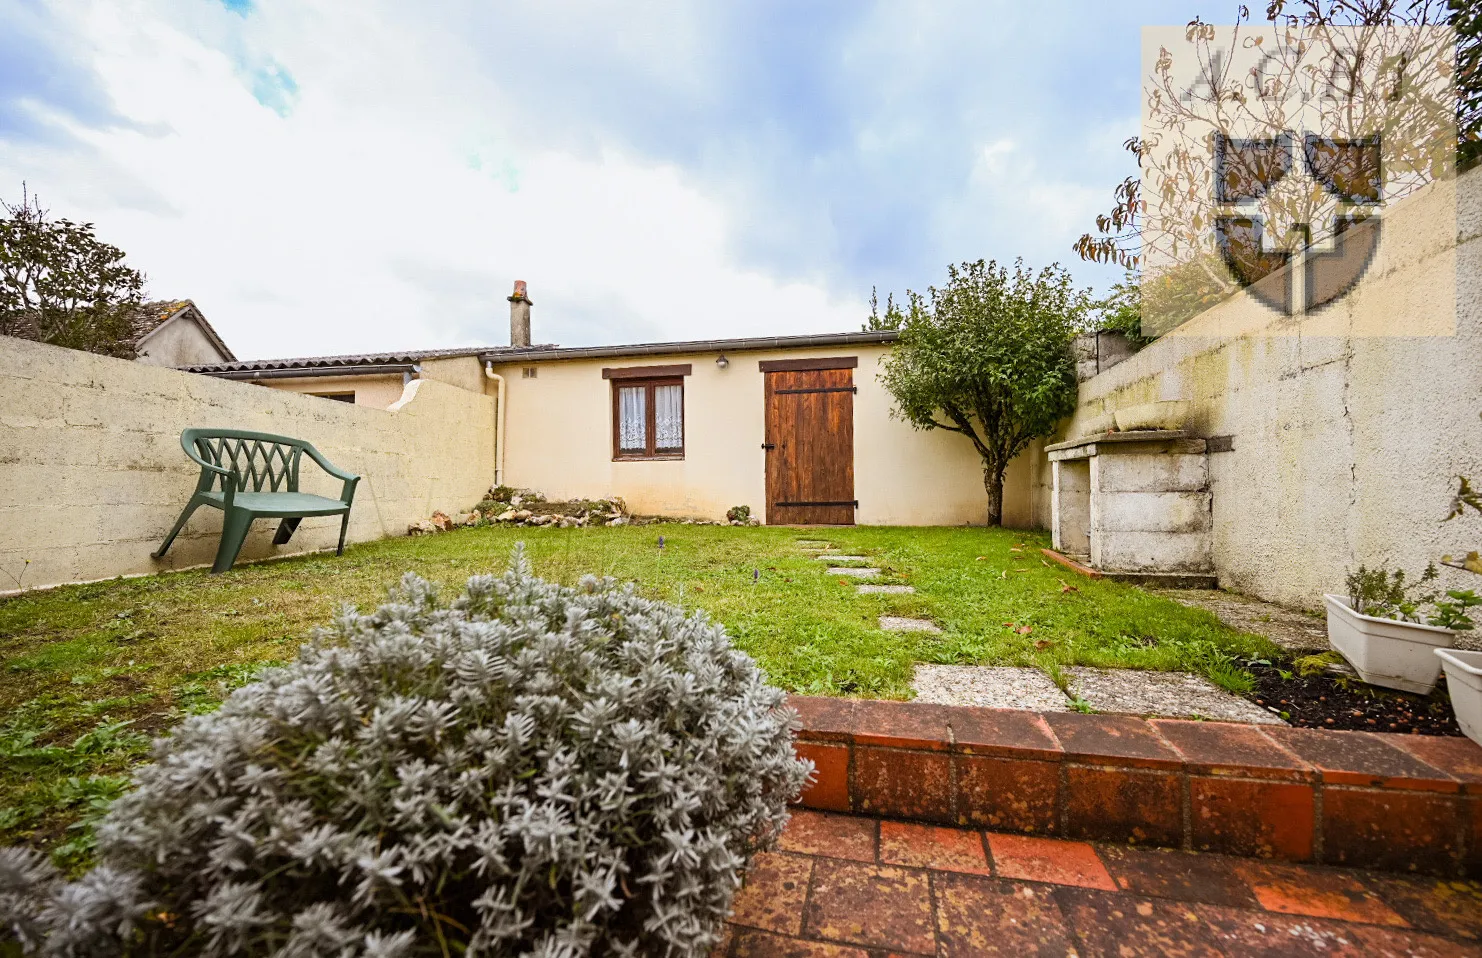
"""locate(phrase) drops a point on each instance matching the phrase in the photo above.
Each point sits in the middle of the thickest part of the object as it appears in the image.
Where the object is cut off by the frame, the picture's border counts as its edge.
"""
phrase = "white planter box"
(1396, 655)
(1464, 679)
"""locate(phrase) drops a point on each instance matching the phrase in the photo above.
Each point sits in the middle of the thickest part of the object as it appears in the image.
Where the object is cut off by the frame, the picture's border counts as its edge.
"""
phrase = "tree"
(891, 320)
(60, 284)
(989, 356)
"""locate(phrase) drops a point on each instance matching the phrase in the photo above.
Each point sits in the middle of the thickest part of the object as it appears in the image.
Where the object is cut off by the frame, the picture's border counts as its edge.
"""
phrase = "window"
(337, 397)
(648, 418)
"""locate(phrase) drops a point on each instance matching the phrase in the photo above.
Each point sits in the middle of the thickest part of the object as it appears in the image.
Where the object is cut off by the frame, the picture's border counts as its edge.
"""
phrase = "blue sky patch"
(274, 88)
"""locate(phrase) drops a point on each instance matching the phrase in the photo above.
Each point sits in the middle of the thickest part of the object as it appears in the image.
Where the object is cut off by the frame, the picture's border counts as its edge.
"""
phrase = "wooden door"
(810, 446)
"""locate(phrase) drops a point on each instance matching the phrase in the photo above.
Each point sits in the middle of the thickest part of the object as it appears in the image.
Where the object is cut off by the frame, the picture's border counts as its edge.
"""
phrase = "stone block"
(1161, 473)
(1151, 512)
(1119, 551)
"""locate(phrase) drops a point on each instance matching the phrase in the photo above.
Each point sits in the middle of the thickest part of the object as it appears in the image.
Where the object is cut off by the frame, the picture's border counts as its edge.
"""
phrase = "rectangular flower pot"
(1464, 680)
(1395, 655)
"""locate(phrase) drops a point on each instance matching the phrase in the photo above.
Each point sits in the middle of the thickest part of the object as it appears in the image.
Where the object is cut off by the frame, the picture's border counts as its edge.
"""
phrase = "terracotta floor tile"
(1434, 905)
(772, 898)
(761, 944)
(1389, 943)
(1186, 876)
(1048, 860)
(1315, 892)
(984, 917)
(878, 906)
(835, 836)
(1112, 740)
(1124, 926)
(1241, 933)
(931, 846)
(1361, 758)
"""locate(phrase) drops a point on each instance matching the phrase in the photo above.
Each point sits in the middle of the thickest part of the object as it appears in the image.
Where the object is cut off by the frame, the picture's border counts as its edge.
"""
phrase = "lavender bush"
(532, 770)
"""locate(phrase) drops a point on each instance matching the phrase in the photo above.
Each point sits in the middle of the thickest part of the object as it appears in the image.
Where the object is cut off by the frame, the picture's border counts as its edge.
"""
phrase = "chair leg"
(286, 529)
(185, 514)
(344, 524)
(233, 534)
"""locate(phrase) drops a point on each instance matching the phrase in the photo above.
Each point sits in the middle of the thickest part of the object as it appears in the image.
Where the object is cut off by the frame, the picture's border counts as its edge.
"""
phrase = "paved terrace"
(845, 886)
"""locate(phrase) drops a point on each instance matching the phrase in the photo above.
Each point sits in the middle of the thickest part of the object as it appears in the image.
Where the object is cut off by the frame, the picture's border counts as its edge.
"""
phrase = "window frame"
(650, 425)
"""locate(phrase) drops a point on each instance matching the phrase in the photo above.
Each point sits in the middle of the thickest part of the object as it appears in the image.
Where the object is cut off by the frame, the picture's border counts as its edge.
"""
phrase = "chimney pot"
(519, 315)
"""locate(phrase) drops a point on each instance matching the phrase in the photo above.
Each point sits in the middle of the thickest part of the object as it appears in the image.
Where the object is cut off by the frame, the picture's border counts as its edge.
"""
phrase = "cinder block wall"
(92, 475)
(1349, 426)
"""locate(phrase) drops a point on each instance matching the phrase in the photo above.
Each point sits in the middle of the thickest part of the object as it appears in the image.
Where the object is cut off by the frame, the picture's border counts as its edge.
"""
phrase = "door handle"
(769, 445)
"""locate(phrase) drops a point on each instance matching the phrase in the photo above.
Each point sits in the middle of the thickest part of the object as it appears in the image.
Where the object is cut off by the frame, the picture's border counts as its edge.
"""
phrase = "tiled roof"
(155, 313)
(309, 364)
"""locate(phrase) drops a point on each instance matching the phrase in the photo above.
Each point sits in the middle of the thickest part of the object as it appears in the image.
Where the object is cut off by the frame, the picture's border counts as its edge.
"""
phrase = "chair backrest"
(259, 460)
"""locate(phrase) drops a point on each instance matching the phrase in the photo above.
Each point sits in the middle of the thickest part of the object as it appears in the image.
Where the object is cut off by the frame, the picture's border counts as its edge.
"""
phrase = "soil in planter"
(1325, 700)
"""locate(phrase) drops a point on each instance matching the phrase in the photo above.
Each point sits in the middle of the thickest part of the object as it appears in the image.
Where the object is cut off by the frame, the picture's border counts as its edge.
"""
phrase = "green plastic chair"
(251, 475)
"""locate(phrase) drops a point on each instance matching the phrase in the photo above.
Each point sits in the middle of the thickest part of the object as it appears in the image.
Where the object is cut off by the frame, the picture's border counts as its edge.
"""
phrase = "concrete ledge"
(1394, 802)
(1166, 580)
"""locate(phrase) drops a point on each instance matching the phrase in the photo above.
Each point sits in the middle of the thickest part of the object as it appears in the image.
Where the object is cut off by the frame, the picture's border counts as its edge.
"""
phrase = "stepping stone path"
(1174, 694)
(858, 572)
(988, 687)
(868, 588)
(898, 623)
(842, 558)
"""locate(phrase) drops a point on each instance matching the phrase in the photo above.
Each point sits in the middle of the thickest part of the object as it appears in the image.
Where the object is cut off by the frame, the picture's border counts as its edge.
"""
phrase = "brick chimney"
(519, 315)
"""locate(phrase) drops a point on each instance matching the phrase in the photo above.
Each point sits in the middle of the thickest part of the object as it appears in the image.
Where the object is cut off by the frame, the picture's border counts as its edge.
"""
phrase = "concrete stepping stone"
(842, 558)
(869, 588)
(857, 572)
(1171, 694)
(992, 687)
(899, 623)
(813, 544)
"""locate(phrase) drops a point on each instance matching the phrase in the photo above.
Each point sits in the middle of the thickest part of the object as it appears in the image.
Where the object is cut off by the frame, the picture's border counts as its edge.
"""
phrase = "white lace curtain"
(669, 417)
(632, 418)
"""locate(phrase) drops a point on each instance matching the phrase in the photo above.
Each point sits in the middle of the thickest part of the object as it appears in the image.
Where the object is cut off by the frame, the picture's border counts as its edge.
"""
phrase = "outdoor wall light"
(721, 361)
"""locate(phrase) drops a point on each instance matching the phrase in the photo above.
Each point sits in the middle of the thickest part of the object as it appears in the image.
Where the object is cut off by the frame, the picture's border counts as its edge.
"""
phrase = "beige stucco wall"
(377, 392)
(1350, 425)
(92, 474)
(559, 441)
(179, 342)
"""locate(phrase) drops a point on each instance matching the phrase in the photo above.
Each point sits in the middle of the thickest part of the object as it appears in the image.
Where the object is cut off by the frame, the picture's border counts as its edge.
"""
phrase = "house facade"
(798, 428)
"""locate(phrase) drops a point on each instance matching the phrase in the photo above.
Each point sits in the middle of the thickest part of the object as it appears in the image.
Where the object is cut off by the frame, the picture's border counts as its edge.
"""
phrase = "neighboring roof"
(538, 353)
(348, 364)
(156, 313)
(362, 364)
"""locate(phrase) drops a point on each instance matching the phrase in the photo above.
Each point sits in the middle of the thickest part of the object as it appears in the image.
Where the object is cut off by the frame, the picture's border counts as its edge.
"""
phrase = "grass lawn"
(88, 672)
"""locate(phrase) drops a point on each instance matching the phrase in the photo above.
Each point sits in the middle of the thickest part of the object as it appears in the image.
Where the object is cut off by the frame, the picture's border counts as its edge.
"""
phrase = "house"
(174, 332)
(799, 428)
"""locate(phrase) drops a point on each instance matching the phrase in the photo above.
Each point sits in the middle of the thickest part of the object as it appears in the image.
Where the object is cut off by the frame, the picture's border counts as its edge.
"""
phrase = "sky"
(331, 177)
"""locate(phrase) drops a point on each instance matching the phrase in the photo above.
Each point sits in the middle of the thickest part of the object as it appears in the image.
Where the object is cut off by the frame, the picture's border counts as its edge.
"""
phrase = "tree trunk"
(993, 482)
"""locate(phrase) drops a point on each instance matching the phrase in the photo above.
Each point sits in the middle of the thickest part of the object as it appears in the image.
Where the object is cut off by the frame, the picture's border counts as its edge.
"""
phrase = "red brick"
(1112, 740)
(1388, 943)
(1122, 926)
(1394, 830)
(1257, 819)
(918, 725)
(834, 836)
(899, 784)
(1471, 861)
(1007, 795)
(1361, 758)
(824, 719)
(1048, 860)
(760, 944)
(773, 896)
(1316, 893)
(1220, 748)
(1460, 758)
(983, 917)
(1007, 733)
(1259, 934)
(1170, 873)
(1123, 805)
(830, 786)
(1435, 905)
(877, 906)
(932, 846)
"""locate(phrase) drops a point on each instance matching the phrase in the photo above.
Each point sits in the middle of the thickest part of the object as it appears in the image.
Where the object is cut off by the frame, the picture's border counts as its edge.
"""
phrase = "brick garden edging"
(1361, 799)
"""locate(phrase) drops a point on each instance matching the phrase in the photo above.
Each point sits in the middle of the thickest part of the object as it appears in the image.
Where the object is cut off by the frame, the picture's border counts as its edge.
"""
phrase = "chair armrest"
(228, 478)
(348, 478)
